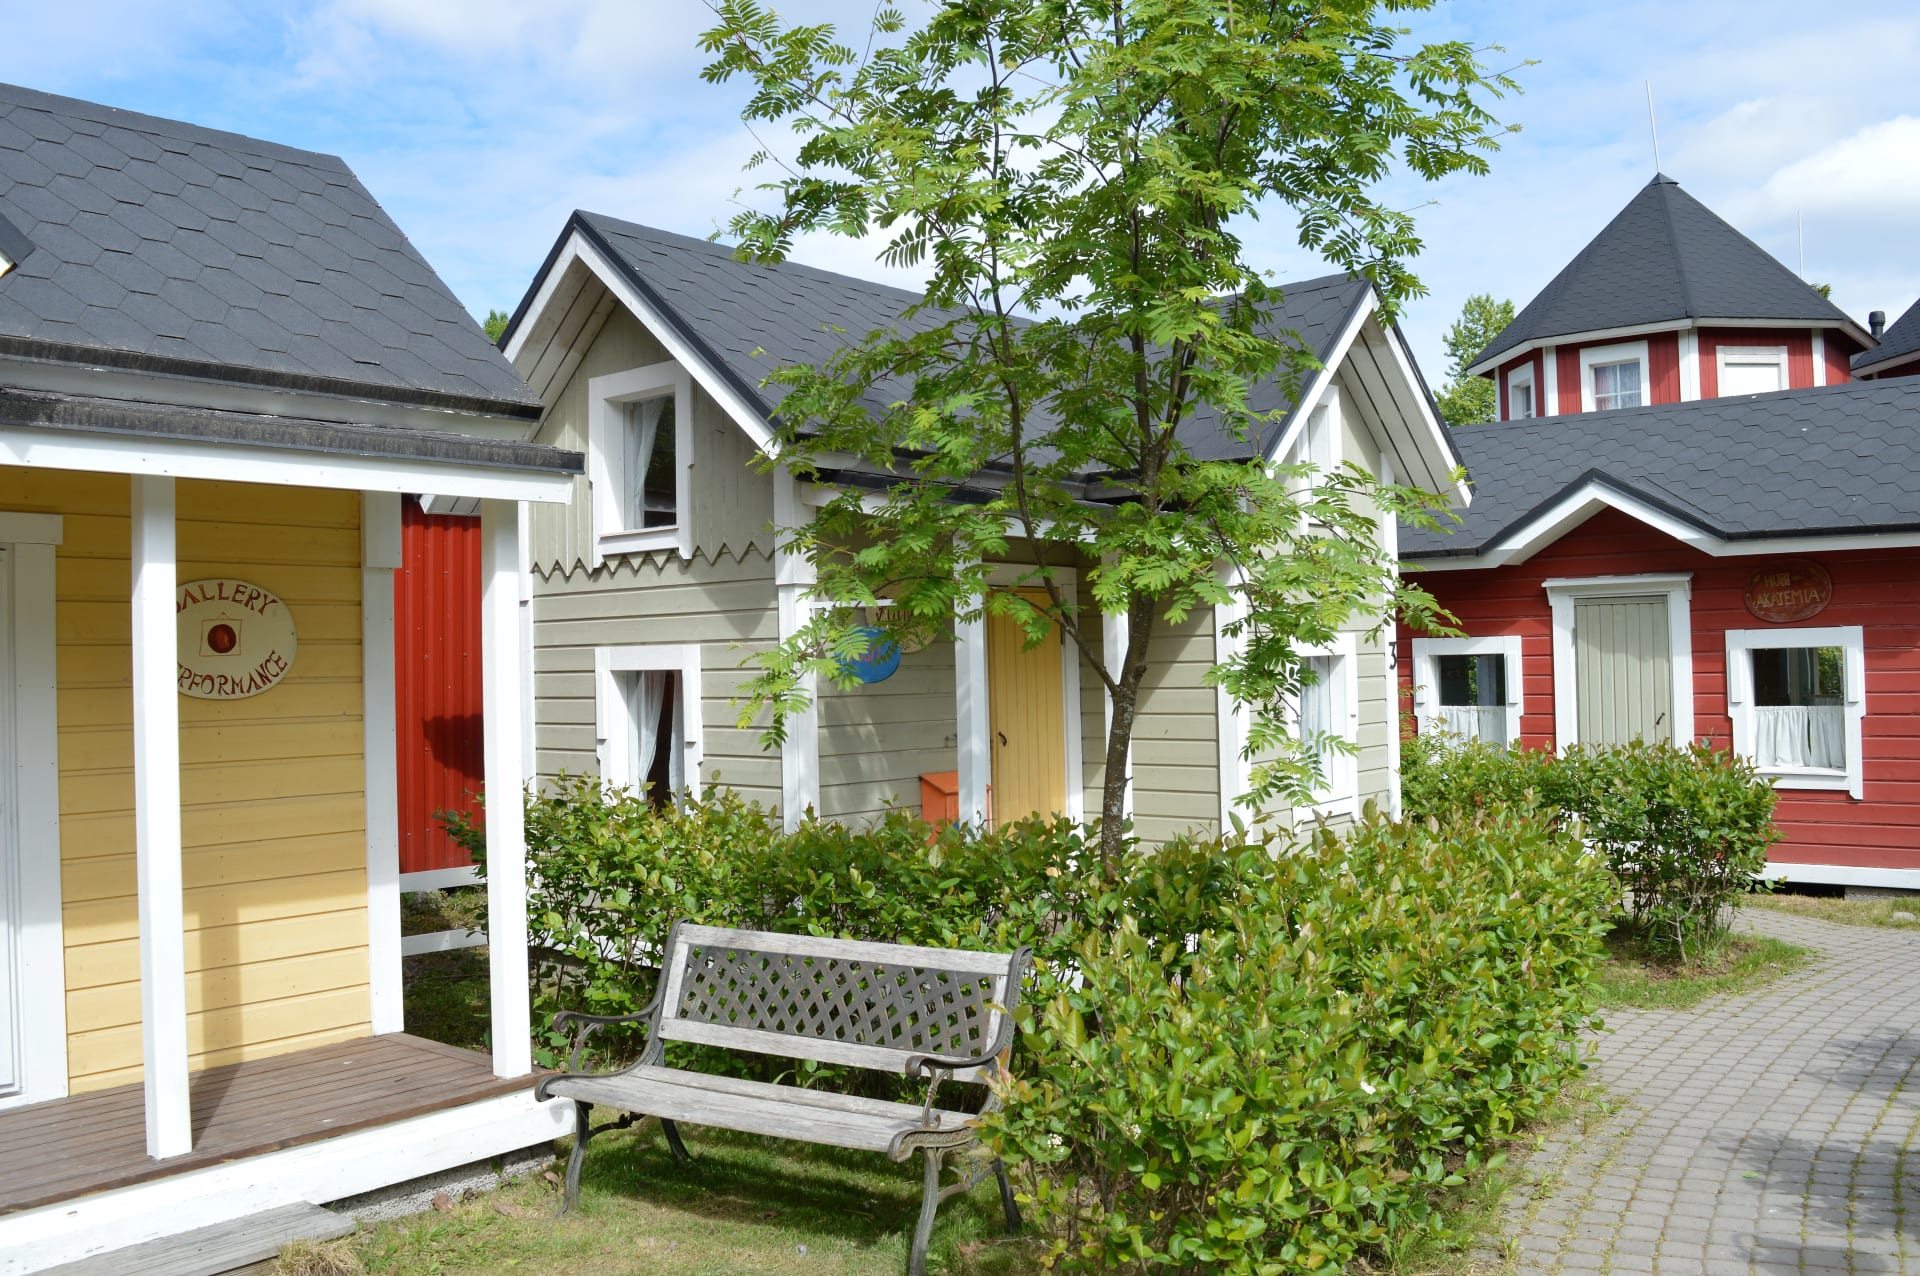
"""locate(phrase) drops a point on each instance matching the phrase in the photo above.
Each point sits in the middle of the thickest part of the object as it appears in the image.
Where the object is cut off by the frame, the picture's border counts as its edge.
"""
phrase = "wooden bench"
(942, 1013)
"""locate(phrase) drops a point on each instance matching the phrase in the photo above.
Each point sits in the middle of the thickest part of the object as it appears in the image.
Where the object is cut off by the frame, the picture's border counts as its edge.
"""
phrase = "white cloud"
(1869, 174)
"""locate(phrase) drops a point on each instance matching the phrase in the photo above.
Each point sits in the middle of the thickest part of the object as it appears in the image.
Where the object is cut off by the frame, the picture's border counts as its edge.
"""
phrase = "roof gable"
(743, 320)
(1828, 461)
(1664, 258)
(174, 248)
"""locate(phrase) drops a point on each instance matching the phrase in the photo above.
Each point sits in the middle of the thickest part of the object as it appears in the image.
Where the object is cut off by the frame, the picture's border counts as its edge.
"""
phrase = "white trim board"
(235, 463)
(1522, 541)
(327, 1170)
(1562, 592)
(1843, 875)
(1323, 379)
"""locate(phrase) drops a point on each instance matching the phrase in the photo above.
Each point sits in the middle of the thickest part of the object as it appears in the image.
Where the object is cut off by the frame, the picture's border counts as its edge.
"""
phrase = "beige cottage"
(662, 576)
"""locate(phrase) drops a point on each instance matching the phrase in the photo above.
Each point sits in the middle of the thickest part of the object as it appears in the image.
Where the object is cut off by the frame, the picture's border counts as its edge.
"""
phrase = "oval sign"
(1785, 592)
(236, 639)
(881, 660)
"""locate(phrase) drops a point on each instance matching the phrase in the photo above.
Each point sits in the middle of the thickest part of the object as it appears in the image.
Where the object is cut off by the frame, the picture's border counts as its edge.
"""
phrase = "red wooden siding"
(1878, 590)
(1839, 357)
(1566, 372)
(1663, 367)
(436, 603)
(1798, 341)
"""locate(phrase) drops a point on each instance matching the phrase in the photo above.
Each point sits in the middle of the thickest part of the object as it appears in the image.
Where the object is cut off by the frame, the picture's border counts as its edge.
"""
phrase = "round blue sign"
(881, 660)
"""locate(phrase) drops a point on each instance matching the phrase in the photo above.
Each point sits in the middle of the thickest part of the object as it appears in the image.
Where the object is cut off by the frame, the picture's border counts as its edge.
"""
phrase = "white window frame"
(1601, 356)
(1325, 422)
(1851, 639)
(1426, 674)
(1776, 355)
(607, 417)
(1522, 378)
(1562, 592)
(1340, 793)
(613, 726)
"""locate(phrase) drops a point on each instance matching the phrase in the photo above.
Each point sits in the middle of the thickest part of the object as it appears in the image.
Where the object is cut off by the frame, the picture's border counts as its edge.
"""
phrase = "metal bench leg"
(674, 1145)
(929, 1203)
(582, 1131)
(1006, 1198)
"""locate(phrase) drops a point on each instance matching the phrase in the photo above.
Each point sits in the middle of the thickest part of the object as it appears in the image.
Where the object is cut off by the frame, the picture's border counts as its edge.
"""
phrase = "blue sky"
(481, 123)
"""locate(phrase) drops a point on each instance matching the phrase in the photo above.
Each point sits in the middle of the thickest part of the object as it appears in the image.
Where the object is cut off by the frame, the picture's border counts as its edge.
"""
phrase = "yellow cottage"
(222, 368)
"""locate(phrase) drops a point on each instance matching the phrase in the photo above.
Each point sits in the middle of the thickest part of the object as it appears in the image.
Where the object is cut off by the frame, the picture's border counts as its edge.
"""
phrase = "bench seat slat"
(753, 1107)
(958, 960)
(793, 1046)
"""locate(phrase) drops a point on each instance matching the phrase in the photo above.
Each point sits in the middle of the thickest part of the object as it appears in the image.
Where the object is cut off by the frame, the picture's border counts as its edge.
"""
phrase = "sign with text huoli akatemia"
(236, 639)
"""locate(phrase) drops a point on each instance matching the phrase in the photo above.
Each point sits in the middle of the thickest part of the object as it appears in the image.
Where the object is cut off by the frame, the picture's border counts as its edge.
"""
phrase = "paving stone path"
(1770, 1132)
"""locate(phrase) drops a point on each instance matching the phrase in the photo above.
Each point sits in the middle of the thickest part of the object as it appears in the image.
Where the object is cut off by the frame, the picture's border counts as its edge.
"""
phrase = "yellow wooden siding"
(1025, 730)
(273, 811)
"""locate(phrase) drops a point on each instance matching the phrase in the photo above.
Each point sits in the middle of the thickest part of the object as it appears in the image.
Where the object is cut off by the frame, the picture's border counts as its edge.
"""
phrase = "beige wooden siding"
(1622, 669)
(1093, 713)
(1176, 752)
(877, 741)
(727, 606)
(272, 787)
(732, 502)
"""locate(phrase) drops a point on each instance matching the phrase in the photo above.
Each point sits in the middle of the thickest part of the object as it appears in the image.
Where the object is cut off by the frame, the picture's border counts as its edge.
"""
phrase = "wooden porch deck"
(72, 1147)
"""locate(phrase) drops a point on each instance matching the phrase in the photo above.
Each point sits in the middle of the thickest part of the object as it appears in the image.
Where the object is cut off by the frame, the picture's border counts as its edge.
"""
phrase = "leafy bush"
(1359, 1024)
(1685, 829)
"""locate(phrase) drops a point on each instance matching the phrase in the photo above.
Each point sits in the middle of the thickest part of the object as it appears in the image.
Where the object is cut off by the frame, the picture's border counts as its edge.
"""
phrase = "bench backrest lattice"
(838, 1001)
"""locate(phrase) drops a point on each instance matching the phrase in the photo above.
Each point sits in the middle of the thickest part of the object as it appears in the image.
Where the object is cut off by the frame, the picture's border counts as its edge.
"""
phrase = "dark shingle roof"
(1833, 460)
(1665, 257)
(1897, 344)
(171, 247)
(748, 318)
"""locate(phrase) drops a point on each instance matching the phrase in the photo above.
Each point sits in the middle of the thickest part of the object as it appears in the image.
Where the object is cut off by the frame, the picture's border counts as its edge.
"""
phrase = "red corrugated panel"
(436, 603)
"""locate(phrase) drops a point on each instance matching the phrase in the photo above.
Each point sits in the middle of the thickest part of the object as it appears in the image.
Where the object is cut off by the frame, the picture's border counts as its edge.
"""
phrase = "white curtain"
(1470, 722)
(1793, 735)
(646, 692)
(645, 425)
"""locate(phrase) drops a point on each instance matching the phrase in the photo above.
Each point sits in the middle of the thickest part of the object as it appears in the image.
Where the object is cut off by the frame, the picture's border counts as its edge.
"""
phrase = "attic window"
(1751, 369)
(639, 460)
(1520, 403)
(1613, 377)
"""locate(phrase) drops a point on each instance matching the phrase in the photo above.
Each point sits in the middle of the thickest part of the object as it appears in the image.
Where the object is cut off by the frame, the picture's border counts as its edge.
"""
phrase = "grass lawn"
(745, 1206)
(1635, 978)
(1848, 912)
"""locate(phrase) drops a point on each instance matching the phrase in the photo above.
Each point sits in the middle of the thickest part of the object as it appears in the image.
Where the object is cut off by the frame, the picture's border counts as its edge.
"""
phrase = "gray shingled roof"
(1664, 258)
(162, 246)
(748, 318)
(1828, 461)
(1898, 343)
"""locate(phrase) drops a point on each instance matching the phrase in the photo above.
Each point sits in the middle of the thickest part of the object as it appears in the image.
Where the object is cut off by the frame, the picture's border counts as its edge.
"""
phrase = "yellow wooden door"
(1025, 724)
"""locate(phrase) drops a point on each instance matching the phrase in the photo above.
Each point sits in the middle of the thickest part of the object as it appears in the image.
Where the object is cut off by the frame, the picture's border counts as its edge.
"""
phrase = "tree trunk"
(1126, 703)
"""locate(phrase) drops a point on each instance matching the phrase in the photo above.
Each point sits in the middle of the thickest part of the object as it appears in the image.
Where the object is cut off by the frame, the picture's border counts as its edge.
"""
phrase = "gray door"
(1623, 669)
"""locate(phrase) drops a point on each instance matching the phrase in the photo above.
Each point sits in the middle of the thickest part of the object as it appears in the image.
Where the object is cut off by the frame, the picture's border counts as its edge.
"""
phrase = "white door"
(1623, 669)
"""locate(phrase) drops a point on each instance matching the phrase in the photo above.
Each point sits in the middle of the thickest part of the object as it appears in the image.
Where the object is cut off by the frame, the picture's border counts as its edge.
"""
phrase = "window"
(1318, 445)
(1613, 377)
(1751, 369)
(1469, 688)
(647, 721)
(1329, 708)
(639, 440)
(1520, 392)
(1797, 697)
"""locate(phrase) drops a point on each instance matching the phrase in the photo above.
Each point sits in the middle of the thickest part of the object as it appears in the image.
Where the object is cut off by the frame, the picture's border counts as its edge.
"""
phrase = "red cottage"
(1713, 540)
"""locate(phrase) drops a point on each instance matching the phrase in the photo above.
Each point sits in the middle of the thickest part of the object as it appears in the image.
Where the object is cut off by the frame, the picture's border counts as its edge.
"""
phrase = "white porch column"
(156, 820)
(379, 557)
(500, 661)
(971, 718)
(793, 576)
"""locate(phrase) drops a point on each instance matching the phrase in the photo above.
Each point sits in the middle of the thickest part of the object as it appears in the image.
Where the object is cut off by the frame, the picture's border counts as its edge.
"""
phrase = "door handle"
(1003, 738)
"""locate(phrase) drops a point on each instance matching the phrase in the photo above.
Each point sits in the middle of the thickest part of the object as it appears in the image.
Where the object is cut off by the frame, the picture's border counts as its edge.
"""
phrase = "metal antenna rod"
(1653, 127)
(1800, 227)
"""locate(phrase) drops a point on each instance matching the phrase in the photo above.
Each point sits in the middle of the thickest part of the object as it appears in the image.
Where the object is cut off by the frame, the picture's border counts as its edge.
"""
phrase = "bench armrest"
(590, 1024)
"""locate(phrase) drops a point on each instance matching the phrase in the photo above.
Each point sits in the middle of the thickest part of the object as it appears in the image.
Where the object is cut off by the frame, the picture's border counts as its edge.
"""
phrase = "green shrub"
(1685, 829)
(1360, 1024)
(1251, 1055)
